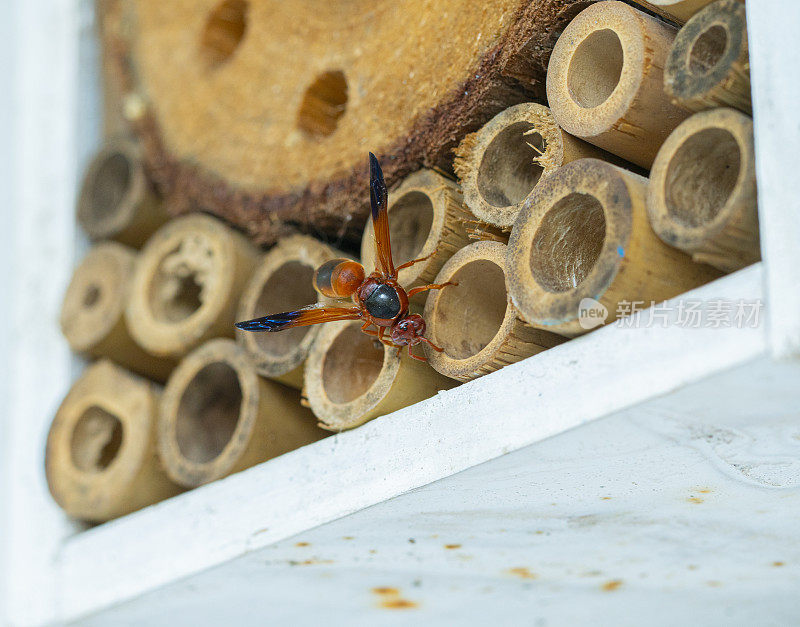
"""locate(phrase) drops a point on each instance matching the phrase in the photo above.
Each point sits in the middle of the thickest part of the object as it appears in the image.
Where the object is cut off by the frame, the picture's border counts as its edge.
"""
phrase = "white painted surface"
(775, 72)
(524, 403)
(686, 507)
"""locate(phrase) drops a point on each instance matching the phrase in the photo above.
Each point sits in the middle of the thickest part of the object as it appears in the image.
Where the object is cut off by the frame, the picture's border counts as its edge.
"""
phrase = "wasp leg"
(432, 345)
(413, 356)
(408, 264)
(365, 328)
(433, 286)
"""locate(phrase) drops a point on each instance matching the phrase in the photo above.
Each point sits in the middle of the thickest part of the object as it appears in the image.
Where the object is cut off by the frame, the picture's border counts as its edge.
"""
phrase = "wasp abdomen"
(338, 278)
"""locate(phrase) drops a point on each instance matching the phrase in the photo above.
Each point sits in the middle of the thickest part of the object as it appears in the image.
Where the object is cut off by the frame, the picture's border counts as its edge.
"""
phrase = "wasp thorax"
(338, 278)
(383, 302)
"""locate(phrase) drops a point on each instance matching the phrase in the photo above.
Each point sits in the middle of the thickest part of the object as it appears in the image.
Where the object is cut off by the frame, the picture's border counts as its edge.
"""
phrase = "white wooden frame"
(56, 572)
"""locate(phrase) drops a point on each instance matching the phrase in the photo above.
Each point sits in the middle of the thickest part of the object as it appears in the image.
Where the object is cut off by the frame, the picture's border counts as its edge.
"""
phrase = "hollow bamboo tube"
(426, 217)
(116, 201)
(351, 378)
(283, 282)
(101, 459)
(187, 285)
(679, 10)
(605, 82)
(702, 192)
(584, 234)
(217, 416)
(93, 311)
(708, 65)
(474, 321)
(499, 165)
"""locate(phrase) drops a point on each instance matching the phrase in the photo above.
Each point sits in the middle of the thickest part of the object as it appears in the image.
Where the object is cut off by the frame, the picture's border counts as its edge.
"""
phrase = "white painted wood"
(680, 511)
(775, 73)
(565, 387)
(48, 88)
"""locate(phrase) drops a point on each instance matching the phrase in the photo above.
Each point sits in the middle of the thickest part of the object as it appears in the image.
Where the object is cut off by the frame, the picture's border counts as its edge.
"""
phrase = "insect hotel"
(402, 312)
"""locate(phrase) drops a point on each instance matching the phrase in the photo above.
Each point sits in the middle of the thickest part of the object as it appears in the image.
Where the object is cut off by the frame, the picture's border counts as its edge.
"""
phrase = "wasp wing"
(380, 218)
(313, 314)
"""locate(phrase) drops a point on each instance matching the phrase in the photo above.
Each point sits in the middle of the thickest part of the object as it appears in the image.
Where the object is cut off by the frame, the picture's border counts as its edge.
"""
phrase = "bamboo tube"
(187, 285)
(351, 378)
(217, 416)
(283, 281)
(426, 217)
(605, 83)
(679, 10)
(499, 165)
(115, 200)
(93, 311)
(474, 321)
(101, 457)
(585, 234)
(708, 65)
(702, 192)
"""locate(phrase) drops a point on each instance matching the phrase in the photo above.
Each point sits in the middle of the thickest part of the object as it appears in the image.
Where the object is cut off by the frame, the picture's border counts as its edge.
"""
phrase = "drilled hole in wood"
(595, 68)
(223, 32)
(468, 316)
(96, 440)
(508, 172)
(701, 176)
(323, 104)
(110, 184)
(568, 242)
(208, 412)
(352, 364)
(288, 288)
(708, 49)
(91, 296)
(410, 221)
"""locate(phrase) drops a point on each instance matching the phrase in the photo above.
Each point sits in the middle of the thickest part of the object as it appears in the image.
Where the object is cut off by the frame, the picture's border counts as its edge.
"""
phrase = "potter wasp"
(378, 299)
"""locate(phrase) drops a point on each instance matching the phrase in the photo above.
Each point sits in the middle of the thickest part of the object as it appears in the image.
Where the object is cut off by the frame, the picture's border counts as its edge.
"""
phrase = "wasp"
(378, 299)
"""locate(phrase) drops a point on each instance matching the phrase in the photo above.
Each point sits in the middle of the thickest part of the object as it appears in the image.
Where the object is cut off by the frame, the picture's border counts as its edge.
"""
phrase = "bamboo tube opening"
(352, 365)
(187, 285)
(115, 200)
(708, 49)
(208, 412)
(283, 281)
(508, 172)
(702, 176)
(708, 65)
(595, 68)
(468, 316)
(217, 416)
(101, 457)
(568, 242)
(702, 193)
(93, 311)
(605, 82)
(584, 234)
(96, 439)
(223, 32)
(324, 102)
(474, 321)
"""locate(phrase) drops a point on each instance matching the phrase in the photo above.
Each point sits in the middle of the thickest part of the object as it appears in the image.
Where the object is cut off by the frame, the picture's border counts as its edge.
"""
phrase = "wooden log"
(217, 416)
(702, 193)
(101, 459)
(474, 321)
(680, 11)
(499, 165)
(426, 217)
(605, 82)
(93, 311)
(187, 285)
(585, 235)
(263, 112)
(708, 65)
(351, 378)
(116, 201)
(283, 281)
